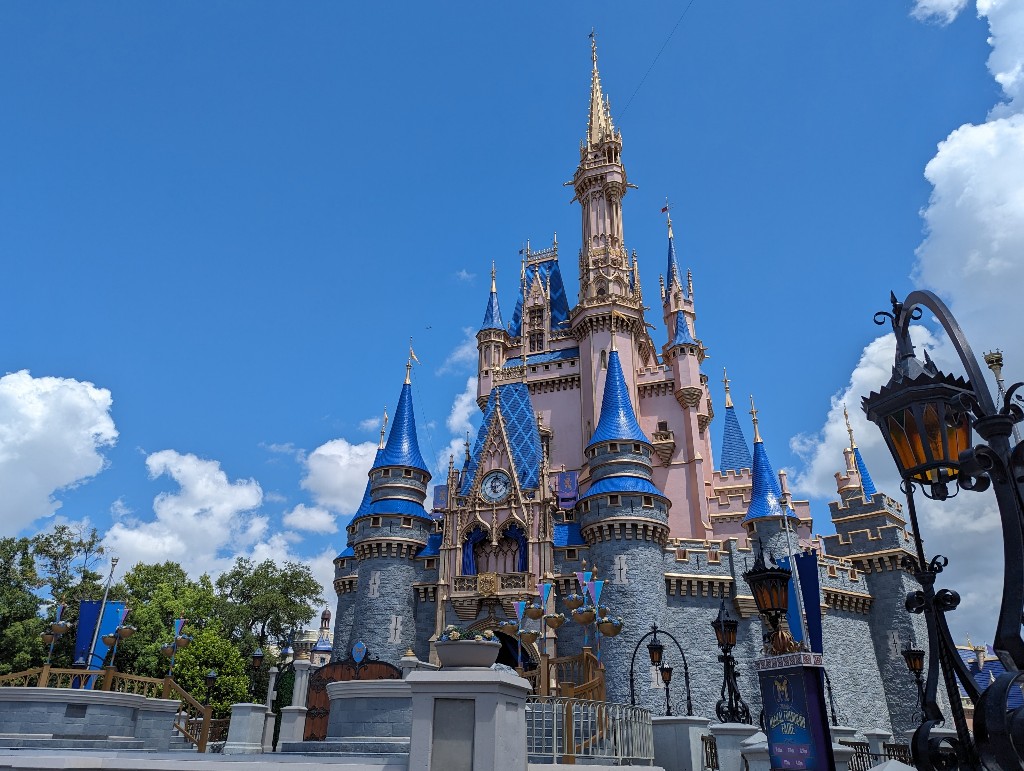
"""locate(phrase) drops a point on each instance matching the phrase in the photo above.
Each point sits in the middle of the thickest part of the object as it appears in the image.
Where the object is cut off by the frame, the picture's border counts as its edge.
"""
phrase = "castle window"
(406, 521)
(613, 500)
(536, 317)
(832, 571)
(604, 359)
(536, 341)
(613, 447)
(570, 516)
(559, 365)
(430, 564)
(636, 448)
(407, 472)
(649, 501)
(663, 425)
(572, 554)
(586, 507)
(374, 521)
(386, 472)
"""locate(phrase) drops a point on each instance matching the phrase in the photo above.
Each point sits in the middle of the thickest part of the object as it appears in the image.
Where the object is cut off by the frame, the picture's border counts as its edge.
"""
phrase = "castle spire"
(753, 418)
(866, 483)
(492, 316)
(402, 447)
(766, 494)
(735, 454)
(617, 421)
(599, 124)
(672, 279)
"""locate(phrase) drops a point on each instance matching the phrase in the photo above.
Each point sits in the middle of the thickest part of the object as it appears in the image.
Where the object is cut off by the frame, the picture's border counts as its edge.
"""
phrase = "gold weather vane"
(753, 416)
(667, 211)
(383, 427)
(728, 395)
(849, 428)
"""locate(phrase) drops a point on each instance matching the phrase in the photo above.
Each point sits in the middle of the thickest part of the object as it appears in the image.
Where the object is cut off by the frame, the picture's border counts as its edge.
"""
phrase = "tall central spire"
(599, 126)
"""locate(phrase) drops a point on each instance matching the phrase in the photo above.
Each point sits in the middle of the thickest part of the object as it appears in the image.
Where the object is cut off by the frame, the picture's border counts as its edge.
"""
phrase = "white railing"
(559, 730)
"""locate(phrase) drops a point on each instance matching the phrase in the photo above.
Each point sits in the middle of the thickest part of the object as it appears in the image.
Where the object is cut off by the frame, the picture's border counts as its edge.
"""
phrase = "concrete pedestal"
(293, 724)
(876, 737)
(268, 731)
(677, 745)
(842, 755)
(728, 738)
(844, 732)
(755, 752)
(245, 732)
(468, 720)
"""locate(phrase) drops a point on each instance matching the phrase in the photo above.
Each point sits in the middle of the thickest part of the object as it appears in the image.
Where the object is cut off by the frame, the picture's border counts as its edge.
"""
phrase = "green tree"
(156, 595)
(67, 556)
(264, 603)
(210, 649)
(20, 623)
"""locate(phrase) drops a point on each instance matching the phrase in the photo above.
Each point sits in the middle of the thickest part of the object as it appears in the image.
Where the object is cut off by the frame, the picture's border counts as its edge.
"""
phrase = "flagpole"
(103, 608)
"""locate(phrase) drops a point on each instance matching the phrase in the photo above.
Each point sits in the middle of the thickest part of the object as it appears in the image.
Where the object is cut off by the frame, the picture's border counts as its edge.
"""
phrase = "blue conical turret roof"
(617, 421)
(865, 477)
(765, 497)
(492, 316)
(672, 274)
(364, 504)
(735, 454)
(682, 335)
(402, 448)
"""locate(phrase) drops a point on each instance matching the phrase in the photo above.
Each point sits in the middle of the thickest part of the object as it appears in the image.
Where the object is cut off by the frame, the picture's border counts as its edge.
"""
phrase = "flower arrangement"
(534, 611)
(573, 601)
(584, 615)
(528, 636)
(454, 633)
(610, 626)
(554, 620)
(603, 610)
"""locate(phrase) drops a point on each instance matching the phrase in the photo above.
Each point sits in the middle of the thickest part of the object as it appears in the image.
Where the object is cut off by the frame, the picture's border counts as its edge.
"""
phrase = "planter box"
(466, 653)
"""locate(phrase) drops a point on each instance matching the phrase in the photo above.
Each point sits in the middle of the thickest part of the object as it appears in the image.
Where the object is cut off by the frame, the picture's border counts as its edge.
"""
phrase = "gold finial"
(593, 46)
(668, 216)
(383, 427)
(753, 416)
(408, 372)
(494, 286)
(583, 562)
(849, 428)
(467, 446)
(728, 396)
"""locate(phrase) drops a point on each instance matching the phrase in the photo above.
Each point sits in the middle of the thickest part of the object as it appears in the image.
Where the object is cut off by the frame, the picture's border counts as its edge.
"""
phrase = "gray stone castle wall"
(373, 615)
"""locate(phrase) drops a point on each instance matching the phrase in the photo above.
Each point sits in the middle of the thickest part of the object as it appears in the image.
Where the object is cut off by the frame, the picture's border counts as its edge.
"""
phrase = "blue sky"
(232, 217)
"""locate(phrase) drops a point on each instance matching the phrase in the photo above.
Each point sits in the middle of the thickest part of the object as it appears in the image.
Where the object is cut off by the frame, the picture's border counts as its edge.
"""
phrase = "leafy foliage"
(20, 626)
(211, 650)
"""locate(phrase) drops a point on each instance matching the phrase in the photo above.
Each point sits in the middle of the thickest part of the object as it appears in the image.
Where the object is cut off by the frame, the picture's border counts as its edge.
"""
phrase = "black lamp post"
(770, 586)
(257, 665)
(925, 417)
(211, 679)
(730, 707)
(656, 653)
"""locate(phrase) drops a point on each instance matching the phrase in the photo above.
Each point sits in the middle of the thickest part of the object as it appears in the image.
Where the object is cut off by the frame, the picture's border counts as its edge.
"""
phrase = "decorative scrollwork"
(997, 730)
(915, 602)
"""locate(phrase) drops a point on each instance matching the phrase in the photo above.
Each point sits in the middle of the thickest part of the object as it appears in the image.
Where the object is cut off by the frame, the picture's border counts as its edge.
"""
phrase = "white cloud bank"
(336, 474)
(52, 434)
(973, 256)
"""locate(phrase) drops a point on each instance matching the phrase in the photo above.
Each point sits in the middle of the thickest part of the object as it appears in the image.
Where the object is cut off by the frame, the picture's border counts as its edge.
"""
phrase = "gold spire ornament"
(494, 286)
(849, 428)
(753, 417)
(383, 427)
(728, 395)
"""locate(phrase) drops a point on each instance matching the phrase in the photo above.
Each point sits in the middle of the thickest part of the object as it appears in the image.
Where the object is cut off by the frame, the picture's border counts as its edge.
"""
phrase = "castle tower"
(872, 538)
(492, 343)
(387, 535)
(624, 520)
(322, 650)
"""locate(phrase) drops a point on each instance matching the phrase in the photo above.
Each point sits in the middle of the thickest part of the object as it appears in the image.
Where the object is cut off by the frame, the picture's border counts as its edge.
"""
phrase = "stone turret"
(492, 343)
(624, 520)
(386, 537)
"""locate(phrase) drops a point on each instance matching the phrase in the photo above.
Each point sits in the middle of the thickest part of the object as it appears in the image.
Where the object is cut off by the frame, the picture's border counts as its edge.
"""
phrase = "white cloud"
(973, 256)
(52, 433)
(336, 474)
(464, 275)
(370, 424)
(202, 525)
(463, 356)
(459, 423)
(940, 11)
(312, 518)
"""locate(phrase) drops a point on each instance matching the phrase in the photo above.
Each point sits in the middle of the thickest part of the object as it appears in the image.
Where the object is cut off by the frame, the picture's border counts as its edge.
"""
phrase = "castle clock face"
(496, 486)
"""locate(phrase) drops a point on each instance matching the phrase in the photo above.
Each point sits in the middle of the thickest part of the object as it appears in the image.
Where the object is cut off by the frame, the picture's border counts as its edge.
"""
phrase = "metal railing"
(560, 730)
(710, 752)
(864, 759)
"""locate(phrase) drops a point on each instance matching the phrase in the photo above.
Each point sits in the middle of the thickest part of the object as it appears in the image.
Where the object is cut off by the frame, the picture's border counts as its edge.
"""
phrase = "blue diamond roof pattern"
(672, 271)
(617, 421)
(521, 428)
(402, 448)
(865, 477)
(544, 358)
(568, 534)
(735, 453)
(348, 552)
(764, 500)
(622, 484)
(547, 269)
(492, 316)
(682, 335)
(984, 676)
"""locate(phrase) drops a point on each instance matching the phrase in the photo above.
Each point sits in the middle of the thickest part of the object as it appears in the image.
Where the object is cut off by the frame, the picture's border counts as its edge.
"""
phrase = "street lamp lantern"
(211, 679)
(770, 586)
(915, 659)
(921, 414)
(666, 675)
(257, 658)
(725, 627)
(730, 707)
(656, 650)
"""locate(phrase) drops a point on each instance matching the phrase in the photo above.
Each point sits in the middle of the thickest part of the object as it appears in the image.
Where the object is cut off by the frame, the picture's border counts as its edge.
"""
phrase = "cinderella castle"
(595, 452)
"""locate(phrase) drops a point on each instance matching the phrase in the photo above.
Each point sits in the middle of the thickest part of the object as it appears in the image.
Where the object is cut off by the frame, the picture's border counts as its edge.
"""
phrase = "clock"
(496, 486)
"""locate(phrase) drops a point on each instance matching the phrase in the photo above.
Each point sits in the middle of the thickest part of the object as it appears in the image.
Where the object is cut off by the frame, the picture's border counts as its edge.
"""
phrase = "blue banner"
(793, 611)
(568, 486)
(88, 614)
(807, 570)
(440, 497)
